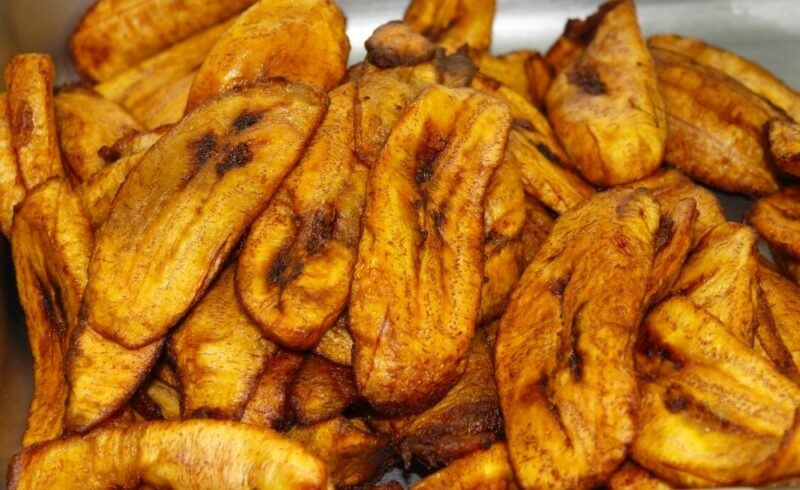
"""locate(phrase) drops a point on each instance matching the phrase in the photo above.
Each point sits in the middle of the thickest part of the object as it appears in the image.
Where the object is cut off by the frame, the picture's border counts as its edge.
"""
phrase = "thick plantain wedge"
(167, 105)
(186, 203)
(353, 455)
(748, 73)
(337, 344)
(485, 469)
(12, 190)
(605, 104)
(397, 44)
(219, 353)
(51, 243)
(294, 270)
(300, 40)
(533, 144)
(86, 123)
(674, 240)
(713, 411)
(633, 477)
(188, 454)
(31, 118)
(777, 219)
(453, 23)
(269, 404)
(522, 71)
(467, 419)
(784, 146)
(321, 390)
(716, 126)
(563, 357)
(416, 288)
(114, 35)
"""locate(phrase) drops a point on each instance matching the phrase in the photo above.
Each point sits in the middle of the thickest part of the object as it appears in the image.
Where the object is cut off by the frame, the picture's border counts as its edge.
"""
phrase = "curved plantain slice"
(416, 289)
(87, 122)
(300, 40)
(12, 190)
(605, 105)
(202, 454)
(31, 118)
(522, 71)
(269, 404)
(567, 338)
(183, 208)
(633, 477)
(51, 242)
(336, 345)
(784, 146)
(782, 297)
(777, 219)
(166, 105)
(114, 35)
(486, 469)
(397, 44)
(716, 126)
(294, 271)
(219, 353)
(674, 241)
(321, 390)
(713, 411)
(453, 23)
(748, 73)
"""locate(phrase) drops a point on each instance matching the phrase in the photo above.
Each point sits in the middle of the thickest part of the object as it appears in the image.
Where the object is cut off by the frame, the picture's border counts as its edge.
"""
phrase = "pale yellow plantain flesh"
(299, 40)
(219, 353)
(453, 23)
(416, 288)
(486, 469)
(201, 454)
(563, 358)
(605, 105)
(12, 190)
(51, 243)
(294, 271)
(777, 219)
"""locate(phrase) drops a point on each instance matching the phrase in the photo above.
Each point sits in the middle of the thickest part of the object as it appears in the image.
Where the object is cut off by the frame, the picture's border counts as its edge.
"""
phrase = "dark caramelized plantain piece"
(269, 404)
(452, 24)
(784, 145)
(567, 337)
(777, 219)
(632, 477)
(321, 390)
(397, 44)
(416, 289)
(12, 190)
(486, 469)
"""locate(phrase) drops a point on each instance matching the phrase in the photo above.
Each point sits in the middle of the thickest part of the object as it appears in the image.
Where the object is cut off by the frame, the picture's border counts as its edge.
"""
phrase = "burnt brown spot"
(674, 401)
(109, 154)
(548, 153)
(524, 123)
(52, 306)
(431, 146)
(438, 218)
(22, 124)
(651, 347)
(246, 119)
(575, 359)
(239, 156)
(146, 407)
(203, 148)
(664, 233)
(622, 242)
(284, 270)
(587, 79)
(558, 286)
(320, 230)
(584, 30)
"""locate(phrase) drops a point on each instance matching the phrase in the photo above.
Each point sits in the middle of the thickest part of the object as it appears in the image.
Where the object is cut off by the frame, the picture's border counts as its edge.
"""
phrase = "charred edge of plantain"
(583, 30)
(396, 44)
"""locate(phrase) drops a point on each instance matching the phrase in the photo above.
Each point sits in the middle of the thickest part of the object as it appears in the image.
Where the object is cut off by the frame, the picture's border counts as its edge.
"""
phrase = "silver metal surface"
(763, 30)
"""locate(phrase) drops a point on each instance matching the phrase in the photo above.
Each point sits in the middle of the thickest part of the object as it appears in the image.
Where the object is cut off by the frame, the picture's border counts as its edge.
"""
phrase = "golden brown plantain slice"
(716, 126)
(605, 104)
(486, 469)
(782, 298)
(294, 270)
(353, 455)
(467, 419)
(51, 242)
(12, 190)
(114, 35)
(167, 105)
(713, 411)
(299, 40)
(336, 345)
(187, 454)
(784, 146)
(416, 288)
(750, 74)
(31, 118)
(521, 71)
(397, 44)
(632, 477)
(563, 358)
(453, 23)
(219, 353)
(674, 241)
(533, 144)
(777, 219)
(269, 404)
(321, 389)
(183, 208)
(86, 123)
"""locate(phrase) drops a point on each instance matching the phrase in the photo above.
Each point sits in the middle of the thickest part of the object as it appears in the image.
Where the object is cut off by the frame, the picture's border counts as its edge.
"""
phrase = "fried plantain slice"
(522, 71)
(605, 105)
(219, 353)
(716, 126)
(51, 242)
(294, 270)
(12, 190)
(777, 219)
(186, 454)
(486, 469)
(533, 144)
(674, 241)
(632, 477)
(269, 404)
(453, 23)
(670, 187)
(114, 35)
(397, 44)
(353, 455)
(416, 288)
(300, 40)
(467, 419)
(31, 118)
(782, 298)
(336, 345)
(784, 146)
(167, 105)
(750, 74)
(713, 411)
(567, 337)
(87, 122)
(184, 206)
(321, 390)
